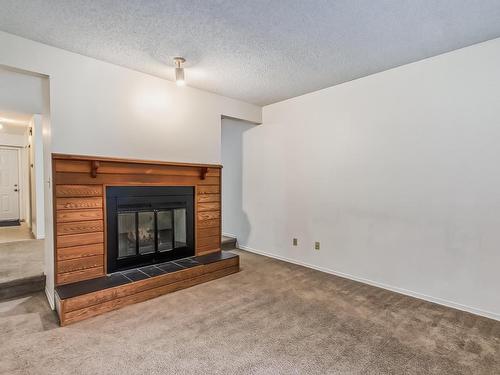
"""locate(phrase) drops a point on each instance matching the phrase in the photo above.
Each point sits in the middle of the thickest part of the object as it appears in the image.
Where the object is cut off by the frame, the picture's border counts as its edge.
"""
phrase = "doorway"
(9, 187)
(21, 245)
(235, 224)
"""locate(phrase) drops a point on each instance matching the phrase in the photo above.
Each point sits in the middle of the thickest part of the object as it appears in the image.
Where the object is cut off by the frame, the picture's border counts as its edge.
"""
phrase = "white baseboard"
(439, 301)
(50, 298)
(230, 235)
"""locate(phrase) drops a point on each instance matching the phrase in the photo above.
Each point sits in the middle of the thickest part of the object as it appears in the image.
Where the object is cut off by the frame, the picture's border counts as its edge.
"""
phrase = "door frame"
(19, 177)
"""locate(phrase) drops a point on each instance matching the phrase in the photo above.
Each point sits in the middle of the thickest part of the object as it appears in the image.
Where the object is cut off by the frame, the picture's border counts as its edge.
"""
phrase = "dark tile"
(169, 267)
(152, 271)
(89, 286)
(135, 275)
(125, 277)
(187, 262)
(215, 257)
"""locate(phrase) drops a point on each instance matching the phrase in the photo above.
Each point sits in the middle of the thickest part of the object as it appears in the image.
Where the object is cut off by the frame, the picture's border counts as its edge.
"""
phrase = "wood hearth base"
(82, 300)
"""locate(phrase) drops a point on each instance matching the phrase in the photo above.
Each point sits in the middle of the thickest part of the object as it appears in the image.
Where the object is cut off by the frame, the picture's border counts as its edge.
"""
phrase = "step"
(228, 243)
(84, 299)
(21, 287)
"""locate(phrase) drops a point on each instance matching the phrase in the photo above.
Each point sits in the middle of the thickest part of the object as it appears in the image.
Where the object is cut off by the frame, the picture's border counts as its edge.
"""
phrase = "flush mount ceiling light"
(179, 71)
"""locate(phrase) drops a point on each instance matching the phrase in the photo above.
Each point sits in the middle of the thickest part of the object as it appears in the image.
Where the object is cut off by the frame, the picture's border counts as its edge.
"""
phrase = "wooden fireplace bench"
(85, 299)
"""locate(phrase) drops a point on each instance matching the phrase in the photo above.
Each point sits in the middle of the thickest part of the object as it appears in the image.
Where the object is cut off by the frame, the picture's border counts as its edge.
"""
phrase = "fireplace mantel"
(80, 215)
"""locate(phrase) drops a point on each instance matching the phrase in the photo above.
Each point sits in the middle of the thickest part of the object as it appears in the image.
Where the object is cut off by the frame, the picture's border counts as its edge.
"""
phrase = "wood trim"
(94, 166)
(55, 218)
(79, 202)
(209, 223)
(219, 246)
(210, 206)
(135, 161)
(208, 198)
(78, 191)
(67, 253)
(66, 216)
(209, 189)
(205, 252)
(72, 277)
(78, 264)
(208, 215)
(76, 227)
(132, 179)
(79, 166)
(204, 171)
(71, 240)
(209, 241)
(85, 306)
(209, 232)
(78, 315)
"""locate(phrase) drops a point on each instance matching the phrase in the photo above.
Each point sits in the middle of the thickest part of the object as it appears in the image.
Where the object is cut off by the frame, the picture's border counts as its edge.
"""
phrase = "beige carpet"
(21, 259)
(271, 318)
(15, 233)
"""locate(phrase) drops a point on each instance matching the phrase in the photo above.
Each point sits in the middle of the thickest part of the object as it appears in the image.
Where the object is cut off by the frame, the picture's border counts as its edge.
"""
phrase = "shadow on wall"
(235, 221)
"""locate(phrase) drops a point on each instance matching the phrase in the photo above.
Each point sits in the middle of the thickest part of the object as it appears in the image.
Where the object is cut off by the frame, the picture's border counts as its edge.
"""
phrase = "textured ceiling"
(255, 50)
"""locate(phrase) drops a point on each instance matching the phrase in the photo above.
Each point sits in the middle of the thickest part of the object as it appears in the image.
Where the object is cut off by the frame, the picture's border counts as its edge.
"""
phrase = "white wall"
(103, 109)
(396, 174)
(47, 194)
(96, 108)
(234, 219)
(20, 92)
(36, 178)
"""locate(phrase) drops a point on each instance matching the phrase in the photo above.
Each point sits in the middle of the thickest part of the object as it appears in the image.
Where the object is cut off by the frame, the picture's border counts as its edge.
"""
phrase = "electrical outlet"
(294, 242)
(316, 245)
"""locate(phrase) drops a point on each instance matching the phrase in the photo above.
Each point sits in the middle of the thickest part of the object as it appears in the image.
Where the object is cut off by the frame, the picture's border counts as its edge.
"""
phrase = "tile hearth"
(137, 274)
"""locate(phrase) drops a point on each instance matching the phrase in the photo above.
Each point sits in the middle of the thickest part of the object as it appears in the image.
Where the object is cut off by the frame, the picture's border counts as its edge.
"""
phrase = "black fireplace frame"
(147, 198)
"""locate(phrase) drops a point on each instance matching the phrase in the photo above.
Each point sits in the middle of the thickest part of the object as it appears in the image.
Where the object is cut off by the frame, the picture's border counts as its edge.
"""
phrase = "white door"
(9, 184)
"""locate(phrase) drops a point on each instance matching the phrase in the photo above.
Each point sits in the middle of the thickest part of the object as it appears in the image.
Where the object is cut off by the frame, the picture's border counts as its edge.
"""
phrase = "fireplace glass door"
(148, 225)
(151, 231)
(165, 231)
(127, 234)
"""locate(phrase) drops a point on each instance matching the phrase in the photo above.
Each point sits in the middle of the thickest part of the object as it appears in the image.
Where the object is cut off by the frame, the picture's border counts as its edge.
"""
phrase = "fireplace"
(148, 224)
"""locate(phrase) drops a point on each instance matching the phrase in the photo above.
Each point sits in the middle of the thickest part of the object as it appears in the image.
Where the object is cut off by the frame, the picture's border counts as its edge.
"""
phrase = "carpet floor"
(271, 318)
(15, 233)
(21, 259)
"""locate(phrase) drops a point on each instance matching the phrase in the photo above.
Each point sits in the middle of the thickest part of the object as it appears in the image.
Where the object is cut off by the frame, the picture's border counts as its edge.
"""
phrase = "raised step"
(21, 287)
(84, 299)
(228, 243)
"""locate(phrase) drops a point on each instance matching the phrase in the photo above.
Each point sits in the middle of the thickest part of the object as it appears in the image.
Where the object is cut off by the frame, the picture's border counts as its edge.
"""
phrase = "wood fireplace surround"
(79, 206)
(80, 185)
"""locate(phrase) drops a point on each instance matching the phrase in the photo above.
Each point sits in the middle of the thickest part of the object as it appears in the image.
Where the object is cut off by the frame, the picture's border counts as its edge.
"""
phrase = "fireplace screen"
(148, 224)
(146, 232)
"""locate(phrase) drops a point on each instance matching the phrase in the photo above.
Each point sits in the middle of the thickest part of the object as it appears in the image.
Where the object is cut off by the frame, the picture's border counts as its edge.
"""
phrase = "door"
(9, 184)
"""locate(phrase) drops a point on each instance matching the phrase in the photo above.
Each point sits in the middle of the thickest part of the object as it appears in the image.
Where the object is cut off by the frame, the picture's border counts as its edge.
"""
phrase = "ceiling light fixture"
(1, 126)
(179, 71)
